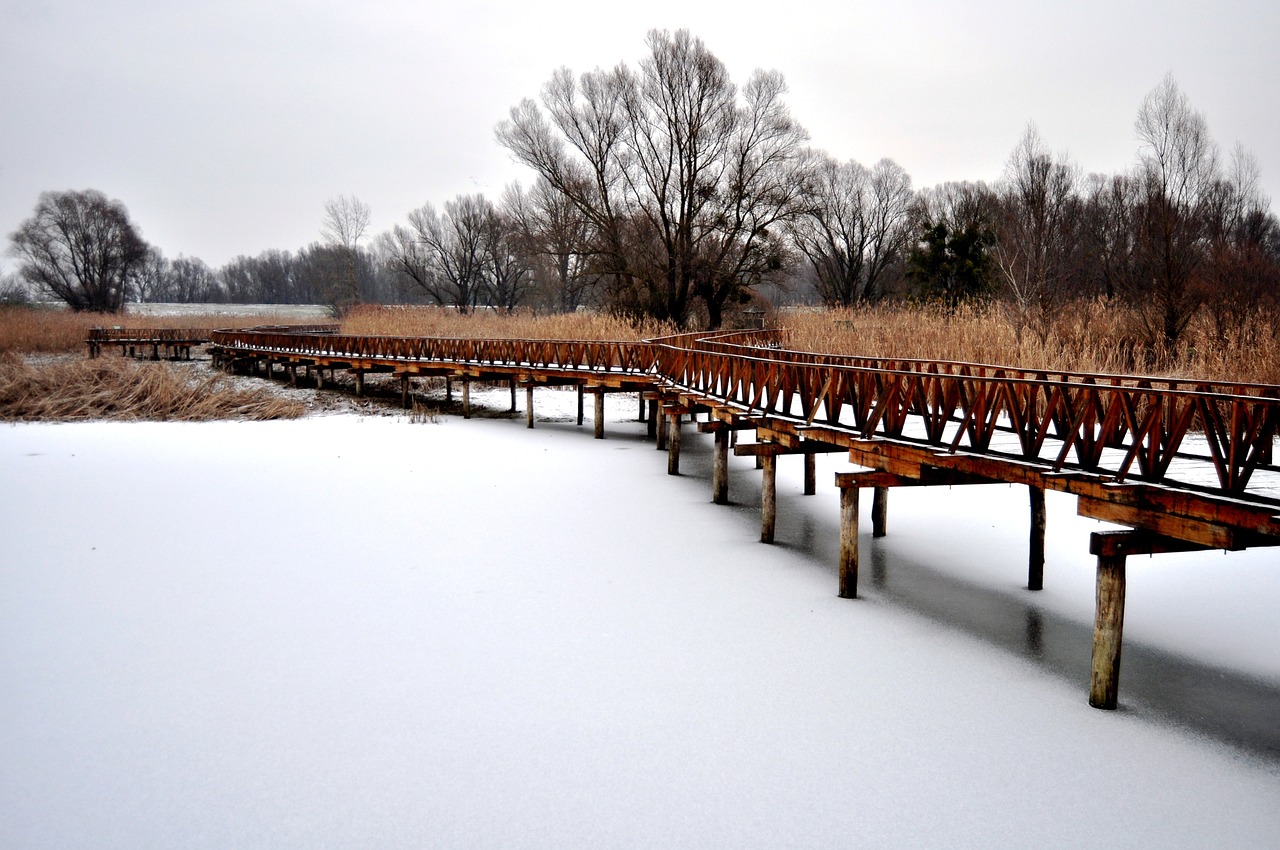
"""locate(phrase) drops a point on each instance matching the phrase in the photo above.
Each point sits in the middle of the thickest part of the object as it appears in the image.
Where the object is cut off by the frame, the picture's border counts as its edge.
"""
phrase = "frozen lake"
(362, 631)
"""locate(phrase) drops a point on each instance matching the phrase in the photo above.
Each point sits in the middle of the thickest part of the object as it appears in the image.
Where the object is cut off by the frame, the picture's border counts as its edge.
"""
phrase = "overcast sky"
(224, 127)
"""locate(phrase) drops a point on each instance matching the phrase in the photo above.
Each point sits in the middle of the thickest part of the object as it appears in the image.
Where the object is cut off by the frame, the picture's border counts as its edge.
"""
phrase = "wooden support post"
(720, 468)
(599, 415)
(651, 430)
(404, 391)
(448, 390)
(640, 415)
(155, 351)
(879, 511)
(662, 431)
(528, 406)
(810, 474)
(319, 377)
(466, 398)
(1035, 557)
(849, 542)
(768, 498)
(293, 374)
(1108, 626)
(673, 444)
(581, 391)
(359, 382)
(513, 395)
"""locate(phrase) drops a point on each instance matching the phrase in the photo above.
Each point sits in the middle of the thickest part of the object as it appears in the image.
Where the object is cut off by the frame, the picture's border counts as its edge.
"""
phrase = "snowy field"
(367, 632)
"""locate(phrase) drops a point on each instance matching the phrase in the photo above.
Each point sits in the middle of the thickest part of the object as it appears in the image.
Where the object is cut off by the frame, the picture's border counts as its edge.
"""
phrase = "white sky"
(225, 126)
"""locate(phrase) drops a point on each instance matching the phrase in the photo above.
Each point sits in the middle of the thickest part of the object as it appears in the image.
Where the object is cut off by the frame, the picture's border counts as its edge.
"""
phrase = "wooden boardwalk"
(1183, 465)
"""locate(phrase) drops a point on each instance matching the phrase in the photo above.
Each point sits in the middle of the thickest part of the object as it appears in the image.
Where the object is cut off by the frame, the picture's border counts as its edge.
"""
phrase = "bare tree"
(856, 228)
(81, 247)
(1036, 234)
(445, 254)
(684, 183)
(556, 237)
(1177, 172)
(345, 220)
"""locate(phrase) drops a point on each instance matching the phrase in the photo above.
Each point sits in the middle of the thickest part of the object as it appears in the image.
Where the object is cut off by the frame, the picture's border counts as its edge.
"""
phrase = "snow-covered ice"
(346, 631)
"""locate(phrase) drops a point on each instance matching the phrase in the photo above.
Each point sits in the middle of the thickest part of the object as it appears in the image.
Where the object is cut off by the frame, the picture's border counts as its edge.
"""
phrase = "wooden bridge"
(1184, 465)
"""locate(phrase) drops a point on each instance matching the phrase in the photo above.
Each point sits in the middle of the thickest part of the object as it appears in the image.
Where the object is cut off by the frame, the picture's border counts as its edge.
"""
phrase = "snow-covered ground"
(347, 631)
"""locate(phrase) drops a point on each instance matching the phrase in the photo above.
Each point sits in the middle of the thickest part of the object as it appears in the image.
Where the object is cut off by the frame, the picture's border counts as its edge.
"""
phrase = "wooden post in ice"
(720, 467)
(662, 430)
(810, 473)
(513, 395)
(651, 429)
(640, 415)
(448, 390)
(528, 406)
(768, 497)
(1108, 626)
(581, 390)
(849, 542)
(404, 391)
(599, 414)
(359, 382)
(673, 444)
(879, 511)
(1035, 557)
(466, 398)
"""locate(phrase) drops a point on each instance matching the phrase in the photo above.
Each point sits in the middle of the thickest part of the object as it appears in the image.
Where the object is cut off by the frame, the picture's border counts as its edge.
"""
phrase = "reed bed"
(1086, 337)
(117, 389)
(379, 320)
(41, 330)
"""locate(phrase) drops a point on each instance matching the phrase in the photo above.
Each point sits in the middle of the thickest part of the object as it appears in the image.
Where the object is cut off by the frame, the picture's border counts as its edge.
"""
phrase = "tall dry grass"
(112, 388)
(41, 330)
(1086, 337)
(379, 320)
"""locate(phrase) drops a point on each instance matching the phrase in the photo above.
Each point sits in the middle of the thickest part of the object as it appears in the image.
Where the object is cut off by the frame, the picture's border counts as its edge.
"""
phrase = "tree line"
(667, 190)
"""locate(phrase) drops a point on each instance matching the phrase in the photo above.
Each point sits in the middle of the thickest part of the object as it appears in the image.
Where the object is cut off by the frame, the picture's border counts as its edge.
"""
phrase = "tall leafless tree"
(857, 227)
(81, 247)
(684, 180)
(1178, 170)
(1037, 234)
(445, 254)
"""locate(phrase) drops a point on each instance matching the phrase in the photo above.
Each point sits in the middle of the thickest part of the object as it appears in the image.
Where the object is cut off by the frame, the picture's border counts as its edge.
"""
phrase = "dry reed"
(111, 388)
(41, 330)
(1085, 337)
(378, 320)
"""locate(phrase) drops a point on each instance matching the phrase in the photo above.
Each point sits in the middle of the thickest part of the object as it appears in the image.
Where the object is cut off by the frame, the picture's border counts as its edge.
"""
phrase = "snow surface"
(347, 631)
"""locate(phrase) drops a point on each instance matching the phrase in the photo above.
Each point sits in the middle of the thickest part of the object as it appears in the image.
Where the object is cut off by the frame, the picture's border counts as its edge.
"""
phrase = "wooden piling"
(810, 474)
(448, 390)
(404, 391)
(581, 391)
(528, 406)
(768, 498)
(662, 431)
(466, 399)
(879, 511)
(513, 395)
(599, 415)
(640, 415)
(1035, 557)
(720, 467)
(651, 430)
(359, 382)
(1108, 627)
(849, 542)
(673, 444)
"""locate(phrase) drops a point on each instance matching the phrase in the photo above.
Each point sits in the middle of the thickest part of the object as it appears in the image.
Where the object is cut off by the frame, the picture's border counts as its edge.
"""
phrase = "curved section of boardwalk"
(1183, 464)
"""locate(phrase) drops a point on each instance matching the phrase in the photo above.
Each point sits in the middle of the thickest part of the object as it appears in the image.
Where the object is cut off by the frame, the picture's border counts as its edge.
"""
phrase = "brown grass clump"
(110, 388)
(1086, 337)
(378, 320)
